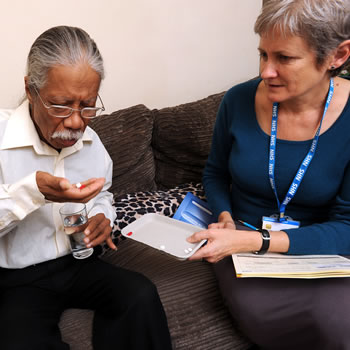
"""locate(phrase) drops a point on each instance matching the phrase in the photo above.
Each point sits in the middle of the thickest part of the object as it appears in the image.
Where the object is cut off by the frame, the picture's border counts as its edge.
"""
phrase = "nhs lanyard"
(304, 165)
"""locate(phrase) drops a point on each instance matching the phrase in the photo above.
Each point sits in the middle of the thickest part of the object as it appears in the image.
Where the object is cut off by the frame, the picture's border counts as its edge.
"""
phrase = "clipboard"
(195, 211)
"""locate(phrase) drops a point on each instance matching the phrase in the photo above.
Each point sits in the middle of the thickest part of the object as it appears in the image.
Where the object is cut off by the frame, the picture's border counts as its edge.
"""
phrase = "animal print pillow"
(130, 207)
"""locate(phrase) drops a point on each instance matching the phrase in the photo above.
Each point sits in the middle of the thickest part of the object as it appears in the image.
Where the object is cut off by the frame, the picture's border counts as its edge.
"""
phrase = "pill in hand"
(79, 186)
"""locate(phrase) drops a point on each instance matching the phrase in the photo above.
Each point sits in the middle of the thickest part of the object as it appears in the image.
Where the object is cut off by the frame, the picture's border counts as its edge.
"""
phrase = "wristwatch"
(265, 235)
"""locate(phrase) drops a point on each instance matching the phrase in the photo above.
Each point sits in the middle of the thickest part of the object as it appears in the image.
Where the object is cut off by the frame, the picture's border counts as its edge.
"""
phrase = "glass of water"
(75, 220)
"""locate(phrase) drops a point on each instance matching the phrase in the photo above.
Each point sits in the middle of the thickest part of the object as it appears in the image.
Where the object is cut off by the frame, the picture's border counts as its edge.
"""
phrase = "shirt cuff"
(26, 196)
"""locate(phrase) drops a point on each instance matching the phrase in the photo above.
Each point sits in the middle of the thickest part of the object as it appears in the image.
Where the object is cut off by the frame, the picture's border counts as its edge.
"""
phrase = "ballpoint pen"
(248, 225)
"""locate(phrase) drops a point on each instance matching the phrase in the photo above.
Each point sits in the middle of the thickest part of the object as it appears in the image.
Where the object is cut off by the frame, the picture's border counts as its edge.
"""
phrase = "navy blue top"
(236, 175)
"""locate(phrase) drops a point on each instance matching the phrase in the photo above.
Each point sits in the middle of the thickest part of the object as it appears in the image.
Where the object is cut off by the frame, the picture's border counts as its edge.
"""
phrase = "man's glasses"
(65, 112)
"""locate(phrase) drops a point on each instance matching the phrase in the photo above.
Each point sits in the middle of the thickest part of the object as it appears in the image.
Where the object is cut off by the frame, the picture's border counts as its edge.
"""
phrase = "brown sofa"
(158, 156)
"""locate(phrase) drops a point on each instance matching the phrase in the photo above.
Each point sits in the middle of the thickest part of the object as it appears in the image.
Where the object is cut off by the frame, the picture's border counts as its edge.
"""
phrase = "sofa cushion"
(127, 135)
(197, 317)
(181, 140)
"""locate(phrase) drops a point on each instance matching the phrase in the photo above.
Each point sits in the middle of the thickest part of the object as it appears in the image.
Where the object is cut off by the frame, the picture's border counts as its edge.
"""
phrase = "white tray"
(165, 234)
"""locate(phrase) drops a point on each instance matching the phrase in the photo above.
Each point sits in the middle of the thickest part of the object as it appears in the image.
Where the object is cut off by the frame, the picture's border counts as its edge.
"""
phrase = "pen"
(248, 225)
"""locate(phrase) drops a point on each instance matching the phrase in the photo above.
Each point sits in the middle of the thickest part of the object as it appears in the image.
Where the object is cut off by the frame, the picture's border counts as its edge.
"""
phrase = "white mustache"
(67, 135)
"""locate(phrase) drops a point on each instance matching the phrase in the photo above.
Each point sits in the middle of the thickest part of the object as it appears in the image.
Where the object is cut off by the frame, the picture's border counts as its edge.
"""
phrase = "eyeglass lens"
(61, 111)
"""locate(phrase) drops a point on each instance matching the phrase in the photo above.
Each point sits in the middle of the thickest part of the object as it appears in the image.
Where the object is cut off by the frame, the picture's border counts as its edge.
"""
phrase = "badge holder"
(274, 224)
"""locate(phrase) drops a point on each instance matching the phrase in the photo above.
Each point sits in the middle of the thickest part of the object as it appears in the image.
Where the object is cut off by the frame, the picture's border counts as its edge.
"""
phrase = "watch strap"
(265, 235)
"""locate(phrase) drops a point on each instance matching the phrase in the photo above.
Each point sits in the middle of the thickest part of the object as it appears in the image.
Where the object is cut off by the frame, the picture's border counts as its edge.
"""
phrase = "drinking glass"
(75, 220)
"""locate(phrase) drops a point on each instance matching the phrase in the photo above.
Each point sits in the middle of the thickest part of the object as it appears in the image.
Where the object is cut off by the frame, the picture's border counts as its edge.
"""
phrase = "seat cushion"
(197, 317)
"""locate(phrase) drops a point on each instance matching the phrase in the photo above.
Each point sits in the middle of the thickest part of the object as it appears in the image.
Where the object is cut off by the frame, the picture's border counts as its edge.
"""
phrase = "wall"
(156, 52)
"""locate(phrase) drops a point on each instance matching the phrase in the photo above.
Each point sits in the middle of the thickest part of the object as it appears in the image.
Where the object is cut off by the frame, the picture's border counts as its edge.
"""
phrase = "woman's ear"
(29, 96)
(341, 54)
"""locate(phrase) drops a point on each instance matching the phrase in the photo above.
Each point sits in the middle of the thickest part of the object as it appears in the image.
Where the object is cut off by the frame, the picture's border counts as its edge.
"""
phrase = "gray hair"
(61, 45)
(323, 24)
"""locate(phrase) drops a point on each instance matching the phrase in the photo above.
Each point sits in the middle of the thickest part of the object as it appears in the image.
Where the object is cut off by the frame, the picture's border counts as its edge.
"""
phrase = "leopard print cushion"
(130, 207)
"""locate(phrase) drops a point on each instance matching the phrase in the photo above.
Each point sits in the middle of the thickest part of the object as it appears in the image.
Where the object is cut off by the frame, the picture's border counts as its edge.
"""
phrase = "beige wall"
(156, 52)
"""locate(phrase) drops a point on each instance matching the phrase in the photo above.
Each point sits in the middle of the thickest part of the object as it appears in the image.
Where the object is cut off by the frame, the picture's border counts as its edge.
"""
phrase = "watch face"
(265, 234)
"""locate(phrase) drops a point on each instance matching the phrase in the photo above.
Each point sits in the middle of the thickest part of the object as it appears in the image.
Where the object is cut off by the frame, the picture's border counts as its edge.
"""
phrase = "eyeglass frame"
(102, 109)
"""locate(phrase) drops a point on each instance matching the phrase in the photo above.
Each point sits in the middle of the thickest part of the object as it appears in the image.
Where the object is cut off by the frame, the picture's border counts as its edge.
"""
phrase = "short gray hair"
(324, 24)
(61, 45)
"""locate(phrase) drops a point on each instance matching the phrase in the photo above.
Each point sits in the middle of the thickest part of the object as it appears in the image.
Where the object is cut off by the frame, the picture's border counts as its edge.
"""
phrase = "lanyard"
(304, 165)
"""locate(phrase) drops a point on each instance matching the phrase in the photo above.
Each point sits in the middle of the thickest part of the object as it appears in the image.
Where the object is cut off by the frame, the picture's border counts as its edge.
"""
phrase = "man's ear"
(29, 96)
(341, 54)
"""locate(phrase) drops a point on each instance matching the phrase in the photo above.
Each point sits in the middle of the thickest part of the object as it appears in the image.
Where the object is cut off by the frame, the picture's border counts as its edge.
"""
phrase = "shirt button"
(2, 223)
(35, 202)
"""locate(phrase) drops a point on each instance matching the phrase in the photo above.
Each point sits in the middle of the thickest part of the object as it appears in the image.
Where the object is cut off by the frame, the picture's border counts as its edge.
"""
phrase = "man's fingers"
(94, 223)
(83, 193)
(94, 186)
(100, 238)
(89, 188)
(93, 182)
(110, 243)
(98, 230)
(64, 184)
(59, 189)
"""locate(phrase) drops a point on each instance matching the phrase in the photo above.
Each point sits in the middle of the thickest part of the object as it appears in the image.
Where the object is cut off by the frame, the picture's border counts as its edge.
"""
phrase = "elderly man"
(45, 149)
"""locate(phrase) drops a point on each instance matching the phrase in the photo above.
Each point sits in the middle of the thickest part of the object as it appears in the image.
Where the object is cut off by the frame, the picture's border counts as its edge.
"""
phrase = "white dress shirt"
(31, 229)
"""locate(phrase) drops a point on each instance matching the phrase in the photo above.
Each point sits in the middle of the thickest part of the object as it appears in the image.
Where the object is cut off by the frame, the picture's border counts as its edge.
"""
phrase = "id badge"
(272, 223)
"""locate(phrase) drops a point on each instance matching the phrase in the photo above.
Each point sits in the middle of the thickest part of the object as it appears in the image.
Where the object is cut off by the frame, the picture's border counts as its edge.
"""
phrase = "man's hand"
(59, 189)
(97, 231)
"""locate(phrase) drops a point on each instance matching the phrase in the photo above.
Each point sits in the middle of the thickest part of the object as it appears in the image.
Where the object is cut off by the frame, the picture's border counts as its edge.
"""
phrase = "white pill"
(186, 251)
(162, 247)
(78, 185)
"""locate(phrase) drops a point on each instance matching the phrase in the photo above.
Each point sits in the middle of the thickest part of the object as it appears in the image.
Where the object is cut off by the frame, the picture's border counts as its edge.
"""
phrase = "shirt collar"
(21, 132)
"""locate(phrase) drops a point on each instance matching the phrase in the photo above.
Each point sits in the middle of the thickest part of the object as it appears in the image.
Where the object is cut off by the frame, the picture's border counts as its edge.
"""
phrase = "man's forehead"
(72, 82)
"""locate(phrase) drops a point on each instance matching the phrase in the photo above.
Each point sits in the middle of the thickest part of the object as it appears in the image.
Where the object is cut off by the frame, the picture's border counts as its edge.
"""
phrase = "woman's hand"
(224, 221)
(59, 189)
(223, 224)
(97, 231)
(222, 242)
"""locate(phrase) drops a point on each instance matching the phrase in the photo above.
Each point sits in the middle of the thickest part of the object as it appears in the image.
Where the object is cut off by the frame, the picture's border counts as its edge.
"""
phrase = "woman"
(291, 176)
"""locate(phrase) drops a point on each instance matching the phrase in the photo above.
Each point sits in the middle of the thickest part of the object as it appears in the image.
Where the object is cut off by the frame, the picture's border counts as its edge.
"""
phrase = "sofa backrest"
(158, 149)
(181, 140)
(127, 136)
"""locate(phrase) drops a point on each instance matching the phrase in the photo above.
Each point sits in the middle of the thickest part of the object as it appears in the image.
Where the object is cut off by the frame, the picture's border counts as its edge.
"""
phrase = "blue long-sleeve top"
(236, 175)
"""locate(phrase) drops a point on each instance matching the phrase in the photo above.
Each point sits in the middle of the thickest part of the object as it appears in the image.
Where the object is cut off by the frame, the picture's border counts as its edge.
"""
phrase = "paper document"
(273, 265)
